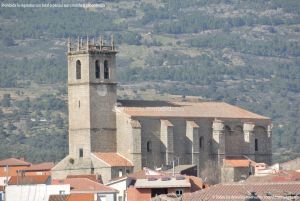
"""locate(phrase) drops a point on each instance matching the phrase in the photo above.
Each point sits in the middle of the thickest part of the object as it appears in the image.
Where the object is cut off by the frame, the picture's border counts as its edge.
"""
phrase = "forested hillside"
(244, 52)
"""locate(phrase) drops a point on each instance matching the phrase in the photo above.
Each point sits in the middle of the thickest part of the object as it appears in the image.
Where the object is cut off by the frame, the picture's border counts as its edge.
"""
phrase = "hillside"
(245, 53)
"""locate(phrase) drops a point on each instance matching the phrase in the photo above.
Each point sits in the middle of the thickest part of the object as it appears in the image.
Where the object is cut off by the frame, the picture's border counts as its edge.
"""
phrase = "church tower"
(91, 97)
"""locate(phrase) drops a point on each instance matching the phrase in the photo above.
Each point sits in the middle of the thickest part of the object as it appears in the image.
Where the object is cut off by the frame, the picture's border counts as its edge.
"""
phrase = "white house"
(37, 192)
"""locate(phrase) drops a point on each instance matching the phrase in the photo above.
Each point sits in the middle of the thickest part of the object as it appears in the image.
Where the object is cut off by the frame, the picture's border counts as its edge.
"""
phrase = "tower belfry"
(92, 97)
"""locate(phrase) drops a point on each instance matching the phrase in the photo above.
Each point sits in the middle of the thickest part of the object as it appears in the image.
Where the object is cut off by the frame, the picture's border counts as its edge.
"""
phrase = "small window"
(149, 146)
(5, 169)
(62, 192)
(256, 144)
(80, 152)
(179, 192)
(97, 69)
(127, 171)
(106, 70)
(78, 70)
(79, 104)
(120, 198)
(201, 143)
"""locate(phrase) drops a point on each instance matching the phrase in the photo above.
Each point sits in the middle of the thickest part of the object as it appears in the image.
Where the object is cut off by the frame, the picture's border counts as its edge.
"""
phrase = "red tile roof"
(81, 197)
(241, 191)
(73, 197)
(186, 109)
(92, 177)
(40, 167)
(238, 161)
(86, 185)
(282, 176)
(27, 180)
(13, 162)
(58, 197)
(196, 183)
(113, 159)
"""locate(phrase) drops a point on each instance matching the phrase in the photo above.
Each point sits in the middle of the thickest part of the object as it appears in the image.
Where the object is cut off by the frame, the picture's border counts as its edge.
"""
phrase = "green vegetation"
(243, 52)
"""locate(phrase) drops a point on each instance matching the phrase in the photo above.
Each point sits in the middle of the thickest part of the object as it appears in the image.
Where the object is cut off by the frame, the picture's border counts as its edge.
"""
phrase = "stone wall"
(221, 138)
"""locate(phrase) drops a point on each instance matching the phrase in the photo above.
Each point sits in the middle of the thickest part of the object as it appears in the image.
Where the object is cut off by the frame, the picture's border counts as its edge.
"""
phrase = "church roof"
(141, 108)
(113, 159)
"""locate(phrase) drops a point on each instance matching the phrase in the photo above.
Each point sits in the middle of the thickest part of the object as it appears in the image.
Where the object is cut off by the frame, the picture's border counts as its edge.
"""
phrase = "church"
(113, 137)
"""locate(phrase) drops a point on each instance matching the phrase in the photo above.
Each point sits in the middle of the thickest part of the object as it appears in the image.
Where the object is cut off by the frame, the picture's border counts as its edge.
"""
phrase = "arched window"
(201, 143)
(78, 70)
(97, 69)
(149, 146)
(106, 70)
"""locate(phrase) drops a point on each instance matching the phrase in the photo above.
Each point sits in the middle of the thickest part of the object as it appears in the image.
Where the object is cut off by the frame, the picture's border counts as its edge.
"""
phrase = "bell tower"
(91, 97)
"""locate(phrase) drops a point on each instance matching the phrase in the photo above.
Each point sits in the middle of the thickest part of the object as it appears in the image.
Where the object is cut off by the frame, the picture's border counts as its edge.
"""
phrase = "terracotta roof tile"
(58, 197)
(196, 183)
(113, 159)
(40, 167)
(92, 177)
(73, 197)
(81, 197)
(27, 180)
(282, 176)
(239, 192)
(86, 185)
(14, 162)
(238, 161)
(186, 109)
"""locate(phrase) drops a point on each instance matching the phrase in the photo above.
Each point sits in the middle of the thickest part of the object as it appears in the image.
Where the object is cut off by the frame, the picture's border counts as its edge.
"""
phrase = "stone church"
(113, 137)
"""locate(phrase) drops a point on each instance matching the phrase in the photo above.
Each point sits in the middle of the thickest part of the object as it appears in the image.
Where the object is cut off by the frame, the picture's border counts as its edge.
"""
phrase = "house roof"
(113, 159)
(58, 197)
(241, 191)
(27, 180)
(40, 167)
(141, 108)
(237, 161)
(86, 185)
(73, 197)
(13, 162)
(196, 183)
(282, 176)
(92, 177)
(170, 182)
(81, 197)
